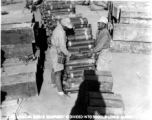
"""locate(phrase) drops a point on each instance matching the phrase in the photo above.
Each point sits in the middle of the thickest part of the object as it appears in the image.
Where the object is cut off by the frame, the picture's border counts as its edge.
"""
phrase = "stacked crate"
(79, 40)
(18, 75)
(80, 43)
(132, 23)
(98, 96)
(52, 11)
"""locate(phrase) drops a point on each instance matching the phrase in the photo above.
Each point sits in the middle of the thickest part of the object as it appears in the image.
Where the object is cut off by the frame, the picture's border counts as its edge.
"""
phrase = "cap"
(103, 19)
(66, 22)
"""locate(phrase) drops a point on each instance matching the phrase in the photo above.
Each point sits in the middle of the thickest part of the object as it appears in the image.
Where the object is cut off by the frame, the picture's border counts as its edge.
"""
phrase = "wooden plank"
(105, 103)
(74, 79)
(18, 78)
(98, 73)
(20, 90)
(23, 68)
(14, 62)
(135, 13)
(132, 32)
(99, 87)
(104, 111)
(74, 84)
(135, 21)
(17, 34)
(17, 51)
(98, 78)
(105, 95)
(9, 103)
(80, 62)
(99, 83)
(131, 47)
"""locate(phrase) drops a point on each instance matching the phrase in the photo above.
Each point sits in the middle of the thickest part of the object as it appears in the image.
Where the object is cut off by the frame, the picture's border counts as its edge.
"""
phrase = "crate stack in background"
(18, 75)
(52, 11)
(132, 26)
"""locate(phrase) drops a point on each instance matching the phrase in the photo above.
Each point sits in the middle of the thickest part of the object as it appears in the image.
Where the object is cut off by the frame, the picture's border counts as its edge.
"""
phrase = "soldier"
(102, 45)
(58, 45)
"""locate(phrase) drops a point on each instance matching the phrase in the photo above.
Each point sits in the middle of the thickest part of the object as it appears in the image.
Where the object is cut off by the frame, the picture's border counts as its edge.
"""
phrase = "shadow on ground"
(41, 44)
(3, 96)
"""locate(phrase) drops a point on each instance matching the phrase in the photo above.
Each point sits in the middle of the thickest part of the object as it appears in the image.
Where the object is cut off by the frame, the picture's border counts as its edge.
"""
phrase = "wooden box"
(14, 66)
(12, 34)
(98, 103)
(130, 9)
(131, 47)
(22, 85)
(17, 50)
(132, 32)
(98, 81)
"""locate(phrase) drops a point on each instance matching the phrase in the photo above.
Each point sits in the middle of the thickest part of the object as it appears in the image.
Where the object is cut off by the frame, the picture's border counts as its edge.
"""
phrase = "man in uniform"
(102, 45)
(58, 42)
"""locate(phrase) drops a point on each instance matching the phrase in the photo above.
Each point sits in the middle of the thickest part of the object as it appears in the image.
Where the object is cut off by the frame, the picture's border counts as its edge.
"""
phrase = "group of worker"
(58, 45)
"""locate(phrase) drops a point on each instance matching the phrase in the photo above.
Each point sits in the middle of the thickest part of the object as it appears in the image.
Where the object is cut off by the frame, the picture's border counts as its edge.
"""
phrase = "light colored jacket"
(58, 40)
(102, 45)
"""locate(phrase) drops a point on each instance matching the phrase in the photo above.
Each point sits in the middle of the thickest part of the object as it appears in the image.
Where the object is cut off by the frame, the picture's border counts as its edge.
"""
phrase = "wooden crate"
(22, 85)
(131, 9)
(132, 32)
(17, 50)
(98, 81)
(131, 47)
(16, 67)
(105, 111)
(98, 103)
(135, 21)
(12, 34)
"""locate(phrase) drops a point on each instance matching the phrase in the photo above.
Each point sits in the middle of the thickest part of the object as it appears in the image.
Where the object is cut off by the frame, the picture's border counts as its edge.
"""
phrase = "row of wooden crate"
(132, 26)
(19, 65)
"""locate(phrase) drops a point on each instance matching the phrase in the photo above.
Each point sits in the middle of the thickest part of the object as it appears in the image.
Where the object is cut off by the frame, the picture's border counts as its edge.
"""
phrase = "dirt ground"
(131, 74)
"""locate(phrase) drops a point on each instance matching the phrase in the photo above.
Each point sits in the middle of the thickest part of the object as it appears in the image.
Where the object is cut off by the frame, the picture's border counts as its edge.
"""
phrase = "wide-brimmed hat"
(66, 22)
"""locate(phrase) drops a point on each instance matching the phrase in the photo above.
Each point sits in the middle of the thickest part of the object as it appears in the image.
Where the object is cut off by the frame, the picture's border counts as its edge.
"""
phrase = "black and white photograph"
(76, 60)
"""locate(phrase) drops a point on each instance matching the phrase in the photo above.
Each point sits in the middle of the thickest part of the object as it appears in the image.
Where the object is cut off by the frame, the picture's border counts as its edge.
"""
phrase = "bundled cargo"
(80, 62)
(73, 84)
(80, 56)
(58, 6)
(82, 26)
(81, 37)
(80, 21)
(79, 48)
(57, 17)
(55, 2)
(60, 11)
(79, 67)
(83, 51)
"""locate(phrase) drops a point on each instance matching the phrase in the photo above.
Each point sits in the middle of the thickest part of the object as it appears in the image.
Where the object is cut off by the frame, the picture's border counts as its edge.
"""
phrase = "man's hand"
(72, 56)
